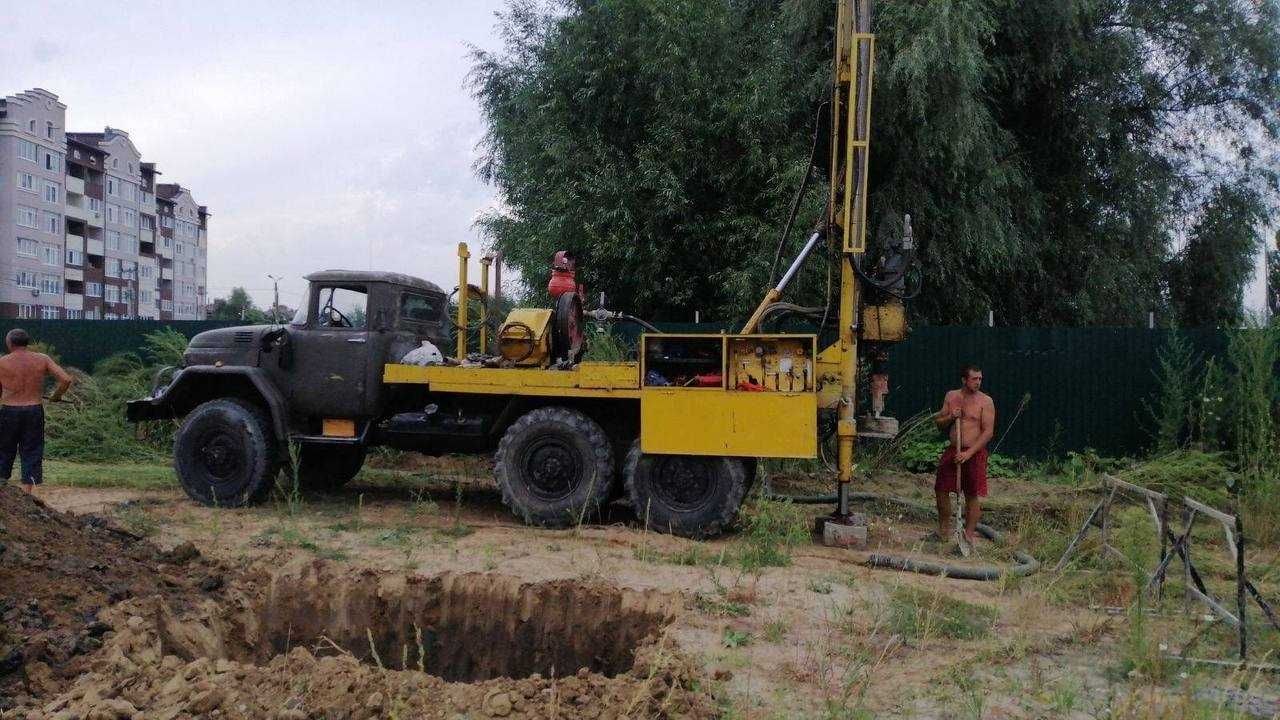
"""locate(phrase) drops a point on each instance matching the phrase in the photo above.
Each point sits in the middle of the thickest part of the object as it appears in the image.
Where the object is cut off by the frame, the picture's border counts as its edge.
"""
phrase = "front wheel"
(225, 454)
(686, 495)
(555, 467)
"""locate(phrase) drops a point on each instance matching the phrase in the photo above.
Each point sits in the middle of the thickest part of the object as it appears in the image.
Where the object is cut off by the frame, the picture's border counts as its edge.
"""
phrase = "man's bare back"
(22, 374)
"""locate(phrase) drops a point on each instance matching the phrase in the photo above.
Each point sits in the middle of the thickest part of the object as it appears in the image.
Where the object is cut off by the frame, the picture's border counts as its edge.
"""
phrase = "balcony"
(73, 274)
(94, 218)
(75, 185)
(166, 273)
(94, 247)
(147, 236)
(75, 242)
(73, 301)
(75, 212)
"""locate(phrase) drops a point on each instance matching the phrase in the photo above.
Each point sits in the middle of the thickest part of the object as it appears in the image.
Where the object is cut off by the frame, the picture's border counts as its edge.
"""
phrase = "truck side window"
(420, 308)
(342, 307)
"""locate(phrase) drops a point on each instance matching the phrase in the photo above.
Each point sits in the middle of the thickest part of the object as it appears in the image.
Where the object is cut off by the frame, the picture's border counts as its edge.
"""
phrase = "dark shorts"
(974, 481)
(22, 433)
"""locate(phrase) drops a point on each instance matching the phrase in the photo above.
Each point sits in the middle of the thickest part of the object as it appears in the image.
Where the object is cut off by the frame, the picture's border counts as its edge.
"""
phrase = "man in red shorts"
(977, 416)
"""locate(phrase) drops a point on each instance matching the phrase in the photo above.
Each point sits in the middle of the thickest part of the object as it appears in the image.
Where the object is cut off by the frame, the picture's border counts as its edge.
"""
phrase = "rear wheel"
(225, 454)
(554, 467)
(328, 467)
(686, 495)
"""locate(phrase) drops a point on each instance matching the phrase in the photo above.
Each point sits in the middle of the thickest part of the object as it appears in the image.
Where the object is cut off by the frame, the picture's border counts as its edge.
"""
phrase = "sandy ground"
(820, 637)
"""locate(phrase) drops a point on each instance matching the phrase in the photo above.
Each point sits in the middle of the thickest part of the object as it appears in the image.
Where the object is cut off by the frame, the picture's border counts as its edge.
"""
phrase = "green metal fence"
(82, 343)
(1087, 387)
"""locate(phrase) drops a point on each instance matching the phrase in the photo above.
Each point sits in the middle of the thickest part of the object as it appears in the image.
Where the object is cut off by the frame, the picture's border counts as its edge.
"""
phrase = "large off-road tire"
(686, 495)
(328, 467)
(554, 467)
(225, 453)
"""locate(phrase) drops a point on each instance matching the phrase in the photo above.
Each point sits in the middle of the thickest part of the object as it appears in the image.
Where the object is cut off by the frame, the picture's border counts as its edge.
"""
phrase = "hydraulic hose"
(1024, 563)
(642, 323)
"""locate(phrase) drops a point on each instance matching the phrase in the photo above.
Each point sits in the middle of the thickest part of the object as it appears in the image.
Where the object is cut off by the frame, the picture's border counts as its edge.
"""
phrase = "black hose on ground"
(1024, 564)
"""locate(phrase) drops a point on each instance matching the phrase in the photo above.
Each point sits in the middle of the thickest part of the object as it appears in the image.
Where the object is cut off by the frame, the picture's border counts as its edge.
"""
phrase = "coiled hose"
(1024, 563)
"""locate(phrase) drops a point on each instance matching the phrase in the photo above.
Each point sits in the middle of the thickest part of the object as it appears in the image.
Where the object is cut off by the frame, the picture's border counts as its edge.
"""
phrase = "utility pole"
(275, 303)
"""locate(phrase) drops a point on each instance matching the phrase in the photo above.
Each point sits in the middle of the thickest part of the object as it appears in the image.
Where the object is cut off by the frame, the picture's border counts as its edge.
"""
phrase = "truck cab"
(245, 393)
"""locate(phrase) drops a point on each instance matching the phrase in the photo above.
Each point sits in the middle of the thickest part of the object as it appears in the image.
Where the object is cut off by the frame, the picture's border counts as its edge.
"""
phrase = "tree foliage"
(238, 305)
(1071, 162)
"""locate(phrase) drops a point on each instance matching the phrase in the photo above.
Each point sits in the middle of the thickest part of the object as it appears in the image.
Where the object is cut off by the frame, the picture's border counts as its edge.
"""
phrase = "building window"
(113, 188)
(75, 314)
(148, 272)
(113, 267)
(27, 181)
(52, 191)
(93, 289)
(48, 312)
(115, 163)
(31, 126)
(27, 150)
(25, 278)
(48, 130)
(27, 217)
(95, 204)
(51, 284)
(145, 296)
(51, 222)
(26, 247)
(52, 161)
(75, 257)
(112, 294)
(26, 312)
(49, 255)
(91, 314)
(113, 239)
(75, 154)
(130, 217)
(130, 168)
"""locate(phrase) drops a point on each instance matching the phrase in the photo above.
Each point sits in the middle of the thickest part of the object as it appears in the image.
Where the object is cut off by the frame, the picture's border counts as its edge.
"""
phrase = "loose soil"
(102, 624)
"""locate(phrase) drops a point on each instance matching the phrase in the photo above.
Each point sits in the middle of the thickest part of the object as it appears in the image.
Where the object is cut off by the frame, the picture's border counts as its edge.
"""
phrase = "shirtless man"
(22, 374)
(979, 415)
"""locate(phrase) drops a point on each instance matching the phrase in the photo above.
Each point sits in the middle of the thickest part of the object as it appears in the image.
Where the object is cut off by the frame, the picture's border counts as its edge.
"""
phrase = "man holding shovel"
(971, 416)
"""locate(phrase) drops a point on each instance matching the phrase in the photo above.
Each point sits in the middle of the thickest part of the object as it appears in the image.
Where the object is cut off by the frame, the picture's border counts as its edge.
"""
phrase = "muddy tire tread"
(602, 457)
(260, 436)
(721, 517)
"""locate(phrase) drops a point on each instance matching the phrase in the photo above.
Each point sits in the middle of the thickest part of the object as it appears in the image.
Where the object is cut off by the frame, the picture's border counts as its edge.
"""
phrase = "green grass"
(916, 614)
(132, 476)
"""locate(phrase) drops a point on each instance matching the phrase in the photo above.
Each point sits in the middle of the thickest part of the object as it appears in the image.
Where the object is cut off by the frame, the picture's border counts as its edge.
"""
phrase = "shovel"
(957, 514)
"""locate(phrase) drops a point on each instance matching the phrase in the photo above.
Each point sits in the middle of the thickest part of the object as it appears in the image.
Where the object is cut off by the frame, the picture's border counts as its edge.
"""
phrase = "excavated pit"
(459, 627)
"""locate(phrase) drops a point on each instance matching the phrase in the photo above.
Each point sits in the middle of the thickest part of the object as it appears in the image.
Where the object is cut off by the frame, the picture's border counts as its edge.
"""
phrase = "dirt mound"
(309, 641)
(98, 623)
(57, 572)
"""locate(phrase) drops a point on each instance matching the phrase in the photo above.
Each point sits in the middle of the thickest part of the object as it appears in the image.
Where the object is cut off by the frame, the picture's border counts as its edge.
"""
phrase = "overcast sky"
(319, 134)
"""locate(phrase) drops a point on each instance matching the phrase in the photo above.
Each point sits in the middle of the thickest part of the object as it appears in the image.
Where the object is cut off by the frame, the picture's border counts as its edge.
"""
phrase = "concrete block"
(846, 536)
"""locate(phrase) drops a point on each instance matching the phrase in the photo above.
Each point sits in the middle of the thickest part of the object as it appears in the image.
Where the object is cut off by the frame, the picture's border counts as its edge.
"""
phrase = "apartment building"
(83, 223)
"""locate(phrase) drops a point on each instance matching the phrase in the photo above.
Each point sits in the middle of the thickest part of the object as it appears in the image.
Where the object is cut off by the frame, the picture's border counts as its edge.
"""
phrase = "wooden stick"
(1241, 608)
(1226, 664)
(1084, 529)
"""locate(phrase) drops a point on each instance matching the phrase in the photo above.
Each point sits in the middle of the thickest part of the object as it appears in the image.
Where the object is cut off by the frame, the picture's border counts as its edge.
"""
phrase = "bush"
(91, 427)
(1204, 476)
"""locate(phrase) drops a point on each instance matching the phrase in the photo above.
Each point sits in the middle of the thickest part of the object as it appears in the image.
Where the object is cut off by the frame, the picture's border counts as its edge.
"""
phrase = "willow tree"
(1059, 160)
